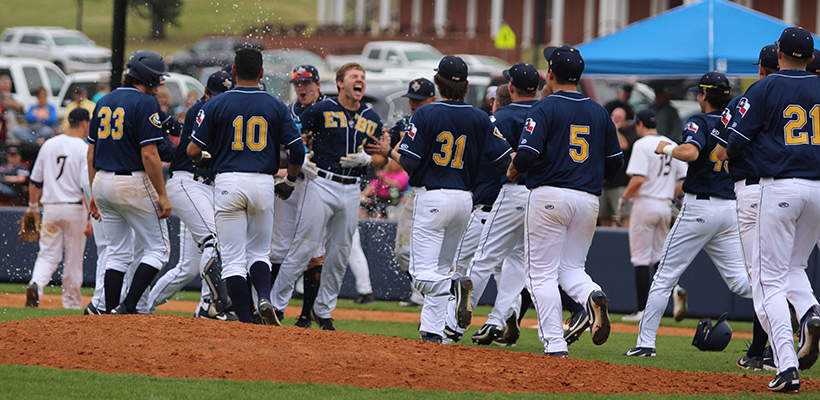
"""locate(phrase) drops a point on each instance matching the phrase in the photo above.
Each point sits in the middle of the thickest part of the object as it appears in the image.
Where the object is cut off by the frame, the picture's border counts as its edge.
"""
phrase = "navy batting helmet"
(710, 337)
(147, 67)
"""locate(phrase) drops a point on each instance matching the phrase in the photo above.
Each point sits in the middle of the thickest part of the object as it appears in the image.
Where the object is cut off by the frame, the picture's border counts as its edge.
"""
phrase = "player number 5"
(257, 133)
(579, 148)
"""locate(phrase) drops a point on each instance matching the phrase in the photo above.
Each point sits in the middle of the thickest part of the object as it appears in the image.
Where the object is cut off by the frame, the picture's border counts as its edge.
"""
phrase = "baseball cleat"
(503, 343)
(223, 316)
(452, 335)
(121, 309)
(599, 325)
(679, 304)
(487, 334)
(304, 321)
(326, 324)
(807, 349)
(32, 295)
(768, 359)
(91, 310)
(513, 331)
(750, 363)
(634, 317)
(786, 381)
(430, 337)
(364, 299)
(578, 322)
(558, 354)
(462, 288)
(641, 352)
(268, 314)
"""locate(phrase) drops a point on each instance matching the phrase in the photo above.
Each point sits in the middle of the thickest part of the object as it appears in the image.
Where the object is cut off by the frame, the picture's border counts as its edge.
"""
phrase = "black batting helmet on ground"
(710, 337)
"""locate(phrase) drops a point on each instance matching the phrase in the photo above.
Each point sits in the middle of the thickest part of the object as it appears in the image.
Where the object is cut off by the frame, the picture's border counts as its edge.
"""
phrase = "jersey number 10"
(256, 133)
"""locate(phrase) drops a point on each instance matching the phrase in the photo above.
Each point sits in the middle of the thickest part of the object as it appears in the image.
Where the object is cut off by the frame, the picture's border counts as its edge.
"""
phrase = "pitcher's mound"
(177, 346)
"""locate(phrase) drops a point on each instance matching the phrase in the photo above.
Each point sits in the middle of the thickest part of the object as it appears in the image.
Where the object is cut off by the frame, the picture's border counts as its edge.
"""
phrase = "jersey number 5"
(110, 123)
(795, 138)
(579, 148)
(446, 140)
(256, 133)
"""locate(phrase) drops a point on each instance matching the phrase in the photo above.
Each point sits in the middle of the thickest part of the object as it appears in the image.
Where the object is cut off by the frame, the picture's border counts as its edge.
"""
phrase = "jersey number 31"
(446, 140)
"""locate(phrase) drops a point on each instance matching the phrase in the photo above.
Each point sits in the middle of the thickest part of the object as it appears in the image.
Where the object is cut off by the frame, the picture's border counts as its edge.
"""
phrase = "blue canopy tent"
(686, 41)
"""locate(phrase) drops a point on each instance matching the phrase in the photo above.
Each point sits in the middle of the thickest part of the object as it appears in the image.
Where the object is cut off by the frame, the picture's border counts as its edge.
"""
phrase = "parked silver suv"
(69, 49)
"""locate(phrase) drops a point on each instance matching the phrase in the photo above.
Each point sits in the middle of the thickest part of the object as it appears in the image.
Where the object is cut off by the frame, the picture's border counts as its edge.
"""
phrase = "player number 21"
(790, 131)
(579, 148)
(446, 140)
(256, 132)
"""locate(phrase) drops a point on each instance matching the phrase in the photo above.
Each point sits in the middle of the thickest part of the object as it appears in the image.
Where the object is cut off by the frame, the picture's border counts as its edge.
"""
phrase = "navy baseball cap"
(796, 42)
(713, 82)
(420, 89)
(523, 76)
(305, 73)
(79, 114)
(220, 82)
(647, 117)
(814, 65)
(228, 68)
(768, 57)
(452, 68)
(565, 61)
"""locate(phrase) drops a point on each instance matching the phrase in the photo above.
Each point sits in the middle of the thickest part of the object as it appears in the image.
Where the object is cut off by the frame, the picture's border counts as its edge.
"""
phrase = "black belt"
(336, 178)
(63, 202)
(122, 172)
(752, 181)
(433, 188)
(197, 177)
(702, 197)
(484, 208)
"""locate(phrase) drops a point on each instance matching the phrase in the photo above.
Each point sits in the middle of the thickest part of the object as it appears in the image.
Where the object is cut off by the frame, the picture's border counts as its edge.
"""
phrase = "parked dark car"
(214, 51)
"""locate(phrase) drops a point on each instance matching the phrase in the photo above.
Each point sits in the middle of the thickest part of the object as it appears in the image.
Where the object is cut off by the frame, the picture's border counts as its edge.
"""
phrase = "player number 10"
(791, 131)
(257, 133)
(446, 140)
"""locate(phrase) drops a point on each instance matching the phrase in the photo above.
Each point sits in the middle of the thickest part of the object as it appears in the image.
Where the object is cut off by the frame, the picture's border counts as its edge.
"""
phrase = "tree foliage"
(161, 13)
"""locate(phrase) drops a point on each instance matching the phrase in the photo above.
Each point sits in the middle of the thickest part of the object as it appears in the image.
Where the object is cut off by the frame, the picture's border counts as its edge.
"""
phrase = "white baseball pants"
(648, 228)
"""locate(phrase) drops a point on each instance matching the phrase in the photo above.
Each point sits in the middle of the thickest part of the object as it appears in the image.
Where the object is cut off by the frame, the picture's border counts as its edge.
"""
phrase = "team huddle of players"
(514, 195)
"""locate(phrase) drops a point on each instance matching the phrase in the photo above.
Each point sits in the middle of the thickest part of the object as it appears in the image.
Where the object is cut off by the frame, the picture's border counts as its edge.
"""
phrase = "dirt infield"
(161, 345)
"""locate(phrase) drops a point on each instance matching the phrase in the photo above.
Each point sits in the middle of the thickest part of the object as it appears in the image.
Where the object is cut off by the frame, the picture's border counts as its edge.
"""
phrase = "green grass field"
(674, 353)
(199, 18)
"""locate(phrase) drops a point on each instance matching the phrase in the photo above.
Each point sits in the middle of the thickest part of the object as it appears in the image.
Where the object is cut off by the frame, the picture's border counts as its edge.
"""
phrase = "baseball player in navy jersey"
(337, 128)
(771, 127)
(420, 92)
(306, 84)
(191, 191)
(56, 184)
(127, 183)
(242, 130)
(568, 147)
(707, 219)
(442, 152)
(747, 191)
(653, 183)
(502, 239)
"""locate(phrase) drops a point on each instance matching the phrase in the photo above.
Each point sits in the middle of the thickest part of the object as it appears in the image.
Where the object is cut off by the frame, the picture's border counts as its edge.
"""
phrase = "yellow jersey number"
(718, 164)
(447, 153)
(579, 148)
(110, 123)
(255, 135)
(792, 134)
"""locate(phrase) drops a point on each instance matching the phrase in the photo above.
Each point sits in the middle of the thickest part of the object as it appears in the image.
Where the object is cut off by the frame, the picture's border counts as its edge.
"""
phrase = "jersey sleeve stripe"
(90, 140)
(150, 141)
(293, 141)
(693, 142)
(620, 153)
(503, 155)
(532, 149)
(409, 153)
(740, 134)
(199, 142)
(720, 139)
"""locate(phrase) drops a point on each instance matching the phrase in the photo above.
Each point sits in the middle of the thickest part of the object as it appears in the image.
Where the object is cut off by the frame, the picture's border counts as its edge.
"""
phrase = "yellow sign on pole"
(505, 40)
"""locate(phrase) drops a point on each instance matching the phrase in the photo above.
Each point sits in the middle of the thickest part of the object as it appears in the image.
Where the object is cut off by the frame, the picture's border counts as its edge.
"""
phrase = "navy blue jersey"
(448, 139)
(572, 137)
(334, 132)
(487, 183)
(243, 128)
(510, 122)
(781, 116)
(742, 166)
(181, 161)
(124, 121)
(706, 175)
(397, 131)
(296, 109)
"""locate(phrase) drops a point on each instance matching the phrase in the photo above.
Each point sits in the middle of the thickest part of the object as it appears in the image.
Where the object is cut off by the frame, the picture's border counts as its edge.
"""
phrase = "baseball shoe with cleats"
(641, 352)
(223, 316)
(304, 321)
(326, 324)
(32, 295)
(599, 325)
(462, 288)
(430, 337)
(268, 314)
(364, 299)
(121, 309)
(487, 334)
(768, 359)
(451, 335)
(679, 304)
(503, 343)
(786, 381)
(578, 322)
(558, 354)
(634, 317)
(807, 349)
(513, 331)
(750, 363)
(91, 310)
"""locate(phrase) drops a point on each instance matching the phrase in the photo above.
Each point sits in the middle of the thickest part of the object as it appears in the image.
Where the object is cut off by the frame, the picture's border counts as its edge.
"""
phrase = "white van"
(69, 49)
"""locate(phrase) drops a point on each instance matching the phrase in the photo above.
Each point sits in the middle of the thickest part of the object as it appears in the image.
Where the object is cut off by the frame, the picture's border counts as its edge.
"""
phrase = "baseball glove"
(30, 225)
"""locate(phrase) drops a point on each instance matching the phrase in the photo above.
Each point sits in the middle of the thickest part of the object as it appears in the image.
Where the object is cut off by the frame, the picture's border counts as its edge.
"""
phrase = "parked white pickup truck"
(390, 54)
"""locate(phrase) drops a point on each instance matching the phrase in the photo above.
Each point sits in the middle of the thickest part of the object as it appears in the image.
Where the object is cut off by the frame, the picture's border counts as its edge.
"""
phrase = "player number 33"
(110, 123)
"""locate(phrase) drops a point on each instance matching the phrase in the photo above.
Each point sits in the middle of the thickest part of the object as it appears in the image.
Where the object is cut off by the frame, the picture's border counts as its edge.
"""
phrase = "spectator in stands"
(11, 108)
(163, 96)
(103, 88)
(669, 123)
(80, 96)
(624, 93)
(41, 119)
(383, 191)
(13, 176)
(614, 188)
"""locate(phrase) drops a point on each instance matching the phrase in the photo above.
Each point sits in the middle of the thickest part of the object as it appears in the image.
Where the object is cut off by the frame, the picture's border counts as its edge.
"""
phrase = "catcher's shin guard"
(220, 301)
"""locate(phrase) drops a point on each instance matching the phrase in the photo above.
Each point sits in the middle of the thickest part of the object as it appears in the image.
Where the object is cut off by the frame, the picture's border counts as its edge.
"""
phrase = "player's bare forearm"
(153, 168)
(294, 170)
(34, 193)
(194, 152)
(720, 153)
(91, 171)
(686, 152)
(633, 186)
(512, 173)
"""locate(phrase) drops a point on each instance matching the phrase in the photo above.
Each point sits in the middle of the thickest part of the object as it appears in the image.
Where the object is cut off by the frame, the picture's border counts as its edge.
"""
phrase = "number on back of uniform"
(792, 133)
(578, 146)
(255, 133)
(110, 123)
(666, 165)
(447, 152)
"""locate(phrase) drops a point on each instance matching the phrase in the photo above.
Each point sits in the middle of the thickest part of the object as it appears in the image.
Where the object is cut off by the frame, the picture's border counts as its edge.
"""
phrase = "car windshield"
(72, 40)
(421, 55)
(492, 62)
